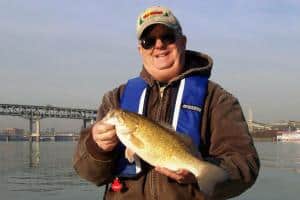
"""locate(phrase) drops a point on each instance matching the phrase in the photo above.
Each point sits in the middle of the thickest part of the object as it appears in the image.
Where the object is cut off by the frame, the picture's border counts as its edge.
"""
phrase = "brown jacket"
(224, 134)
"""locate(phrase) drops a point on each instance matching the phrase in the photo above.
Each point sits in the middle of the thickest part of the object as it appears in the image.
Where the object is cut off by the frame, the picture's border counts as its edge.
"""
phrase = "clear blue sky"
(68, 53)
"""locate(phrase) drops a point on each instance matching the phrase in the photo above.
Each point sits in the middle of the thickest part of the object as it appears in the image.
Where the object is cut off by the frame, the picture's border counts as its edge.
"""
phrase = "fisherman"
(173, 88)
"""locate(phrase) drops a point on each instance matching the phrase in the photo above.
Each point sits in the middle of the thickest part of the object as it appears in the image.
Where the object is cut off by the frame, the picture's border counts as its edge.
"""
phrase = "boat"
(289, 136)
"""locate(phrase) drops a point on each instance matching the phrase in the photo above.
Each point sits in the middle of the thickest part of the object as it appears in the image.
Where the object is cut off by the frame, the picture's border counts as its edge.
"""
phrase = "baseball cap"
(157, 15)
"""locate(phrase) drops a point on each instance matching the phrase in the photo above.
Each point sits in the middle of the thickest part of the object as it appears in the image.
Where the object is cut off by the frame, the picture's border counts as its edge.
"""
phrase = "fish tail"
(209, 177)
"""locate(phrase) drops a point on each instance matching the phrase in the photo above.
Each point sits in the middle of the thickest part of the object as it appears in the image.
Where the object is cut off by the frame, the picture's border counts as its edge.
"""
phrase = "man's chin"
(162, 67)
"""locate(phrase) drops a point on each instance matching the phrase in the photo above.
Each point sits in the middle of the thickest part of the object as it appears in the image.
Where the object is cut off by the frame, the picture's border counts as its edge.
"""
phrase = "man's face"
(164, 59)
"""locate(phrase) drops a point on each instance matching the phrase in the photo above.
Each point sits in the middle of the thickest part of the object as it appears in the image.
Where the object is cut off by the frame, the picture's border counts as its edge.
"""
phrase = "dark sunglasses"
(148, 42)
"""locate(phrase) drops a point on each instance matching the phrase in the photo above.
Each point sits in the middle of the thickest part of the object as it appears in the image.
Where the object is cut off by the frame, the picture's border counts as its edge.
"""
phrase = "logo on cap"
(152, 13)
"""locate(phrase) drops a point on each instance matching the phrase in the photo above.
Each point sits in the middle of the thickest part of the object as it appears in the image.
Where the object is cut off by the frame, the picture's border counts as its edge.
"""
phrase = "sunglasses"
(148, 42)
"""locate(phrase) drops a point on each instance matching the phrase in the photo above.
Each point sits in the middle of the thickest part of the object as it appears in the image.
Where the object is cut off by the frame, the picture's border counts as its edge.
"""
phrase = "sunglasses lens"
(149, 42)
(168, 38)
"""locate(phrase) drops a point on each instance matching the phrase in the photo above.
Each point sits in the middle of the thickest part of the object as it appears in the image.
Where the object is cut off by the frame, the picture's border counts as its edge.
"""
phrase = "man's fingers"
(102, 127)
(182, 172)
(106, 136)
(169, 173)
(181, 175)
(103, 132)
(108, 142)
(108, 147)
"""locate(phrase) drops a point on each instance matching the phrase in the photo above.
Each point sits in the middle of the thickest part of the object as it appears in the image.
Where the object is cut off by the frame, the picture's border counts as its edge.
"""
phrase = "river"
(49, 175)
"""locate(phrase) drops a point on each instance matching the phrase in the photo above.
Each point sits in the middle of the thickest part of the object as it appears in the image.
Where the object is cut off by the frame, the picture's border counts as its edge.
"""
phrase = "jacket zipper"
(161, 100)
(158, 116)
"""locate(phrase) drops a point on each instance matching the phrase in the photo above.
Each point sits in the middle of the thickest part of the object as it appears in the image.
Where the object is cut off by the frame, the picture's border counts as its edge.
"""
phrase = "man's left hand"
(182, 176)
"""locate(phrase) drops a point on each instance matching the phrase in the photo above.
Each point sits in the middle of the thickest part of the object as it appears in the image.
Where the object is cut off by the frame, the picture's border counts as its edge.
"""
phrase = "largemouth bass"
(160, 146)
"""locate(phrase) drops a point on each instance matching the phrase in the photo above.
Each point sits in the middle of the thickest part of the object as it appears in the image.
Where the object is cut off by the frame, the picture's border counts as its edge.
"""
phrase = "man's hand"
(105, 136)
(181, 176)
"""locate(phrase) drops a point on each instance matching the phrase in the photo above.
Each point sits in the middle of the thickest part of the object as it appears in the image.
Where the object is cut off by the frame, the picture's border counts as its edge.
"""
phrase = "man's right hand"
(105, 136)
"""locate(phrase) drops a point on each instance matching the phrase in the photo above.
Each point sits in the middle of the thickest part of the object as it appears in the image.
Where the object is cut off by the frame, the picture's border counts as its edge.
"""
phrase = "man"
(217, 121)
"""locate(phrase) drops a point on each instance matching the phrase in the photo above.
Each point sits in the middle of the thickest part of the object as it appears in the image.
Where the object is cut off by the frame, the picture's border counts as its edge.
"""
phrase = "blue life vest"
(187, 113)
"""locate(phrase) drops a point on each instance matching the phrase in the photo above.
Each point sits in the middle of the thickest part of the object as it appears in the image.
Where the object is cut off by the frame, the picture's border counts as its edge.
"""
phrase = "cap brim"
(146, 25)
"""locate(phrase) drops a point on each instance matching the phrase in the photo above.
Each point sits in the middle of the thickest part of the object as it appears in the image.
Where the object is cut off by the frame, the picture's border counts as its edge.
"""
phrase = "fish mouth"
(123, 131)
(113, 117)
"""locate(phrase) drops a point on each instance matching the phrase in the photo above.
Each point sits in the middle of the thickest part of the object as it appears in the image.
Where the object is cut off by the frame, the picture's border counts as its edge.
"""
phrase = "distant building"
(258, 126)
(13, 131)
(286, 126)
(255, 126)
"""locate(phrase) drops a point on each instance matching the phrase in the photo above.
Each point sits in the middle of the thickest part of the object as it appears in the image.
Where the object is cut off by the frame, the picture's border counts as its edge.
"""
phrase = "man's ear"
(140, 49)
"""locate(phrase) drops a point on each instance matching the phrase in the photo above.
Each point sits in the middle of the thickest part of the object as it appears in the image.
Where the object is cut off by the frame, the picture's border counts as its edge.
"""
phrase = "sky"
(70, 52)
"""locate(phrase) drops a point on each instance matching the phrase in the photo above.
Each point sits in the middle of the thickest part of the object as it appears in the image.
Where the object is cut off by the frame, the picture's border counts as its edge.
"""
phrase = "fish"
(161, 146)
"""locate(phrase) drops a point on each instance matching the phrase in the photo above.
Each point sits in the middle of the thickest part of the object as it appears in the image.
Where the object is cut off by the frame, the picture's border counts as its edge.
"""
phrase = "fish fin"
(209, 177)
(130, 155)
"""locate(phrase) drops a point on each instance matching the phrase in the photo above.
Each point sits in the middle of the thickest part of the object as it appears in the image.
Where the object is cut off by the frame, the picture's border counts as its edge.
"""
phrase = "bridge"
(35, 113)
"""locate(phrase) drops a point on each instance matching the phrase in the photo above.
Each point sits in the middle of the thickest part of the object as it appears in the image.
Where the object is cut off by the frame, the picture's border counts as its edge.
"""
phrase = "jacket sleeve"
(89, 161)
(231, 145)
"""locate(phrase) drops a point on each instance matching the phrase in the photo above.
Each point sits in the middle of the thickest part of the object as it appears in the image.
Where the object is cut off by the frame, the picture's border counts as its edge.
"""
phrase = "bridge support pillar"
(35, 134)
(37, 129)
(30, 129)
(34, 148)
(34, 154)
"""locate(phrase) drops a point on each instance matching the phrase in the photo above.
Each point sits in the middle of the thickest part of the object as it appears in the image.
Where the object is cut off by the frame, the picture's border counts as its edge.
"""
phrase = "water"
(49, 173)
(279, 177)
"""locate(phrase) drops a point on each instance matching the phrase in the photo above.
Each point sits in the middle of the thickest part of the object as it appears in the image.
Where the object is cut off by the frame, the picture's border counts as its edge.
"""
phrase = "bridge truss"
(39, 112)
(35, 113)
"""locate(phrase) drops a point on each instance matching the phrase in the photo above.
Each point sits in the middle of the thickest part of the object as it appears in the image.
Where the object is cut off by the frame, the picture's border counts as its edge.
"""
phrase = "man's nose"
(159, 43)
